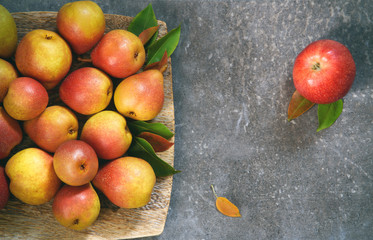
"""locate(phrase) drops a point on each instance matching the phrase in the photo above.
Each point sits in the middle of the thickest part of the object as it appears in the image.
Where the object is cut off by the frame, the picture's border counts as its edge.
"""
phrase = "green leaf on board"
(159, 144)
(328, 114)
(143, 20)
(298, 105)
(137, 127)
(167, 43)
(142, 149)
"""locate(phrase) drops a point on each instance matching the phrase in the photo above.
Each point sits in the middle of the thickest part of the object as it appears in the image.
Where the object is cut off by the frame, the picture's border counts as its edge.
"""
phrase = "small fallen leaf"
(298, 105)
(225, 206)
(147, 34)
(158, 143)
(160, 65)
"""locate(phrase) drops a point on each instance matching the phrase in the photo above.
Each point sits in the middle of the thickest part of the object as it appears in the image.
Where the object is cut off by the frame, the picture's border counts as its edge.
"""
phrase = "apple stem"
(316, 66)
(84, 59)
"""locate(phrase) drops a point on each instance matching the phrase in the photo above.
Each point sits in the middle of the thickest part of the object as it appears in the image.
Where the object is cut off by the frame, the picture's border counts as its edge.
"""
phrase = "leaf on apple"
(158, 143)
(137, 127)
(147, 34)
(142, 21)
(142, 149)
(298, 105)
(329, 113)
(160, 65)
(167, 43)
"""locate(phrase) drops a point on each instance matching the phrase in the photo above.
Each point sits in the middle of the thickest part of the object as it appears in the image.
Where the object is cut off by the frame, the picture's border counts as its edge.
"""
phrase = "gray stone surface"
(232, 76)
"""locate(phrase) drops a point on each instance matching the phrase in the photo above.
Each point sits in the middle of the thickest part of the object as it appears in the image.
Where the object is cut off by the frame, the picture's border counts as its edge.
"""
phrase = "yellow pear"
(32, 177)
(8, 33)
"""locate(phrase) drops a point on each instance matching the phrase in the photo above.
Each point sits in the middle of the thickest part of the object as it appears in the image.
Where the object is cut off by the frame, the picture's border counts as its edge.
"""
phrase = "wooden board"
(19, 220)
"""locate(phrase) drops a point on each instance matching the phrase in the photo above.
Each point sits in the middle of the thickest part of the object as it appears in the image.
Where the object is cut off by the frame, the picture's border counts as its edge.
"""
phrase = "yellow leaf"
(225, 206)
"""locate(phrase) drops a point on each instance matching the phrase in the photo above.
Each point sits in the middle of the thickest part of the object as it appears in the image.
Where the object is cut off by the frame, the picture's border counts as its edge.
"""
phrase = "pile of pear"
(72, 162)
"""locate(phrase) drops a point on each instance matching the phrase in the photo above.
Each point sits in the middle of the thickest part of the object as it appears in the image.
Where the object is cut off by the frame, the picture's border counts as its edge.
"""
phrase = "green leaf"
(137, 127)
(329, 113)
(167, 43)
(143, 20)
(142, 149)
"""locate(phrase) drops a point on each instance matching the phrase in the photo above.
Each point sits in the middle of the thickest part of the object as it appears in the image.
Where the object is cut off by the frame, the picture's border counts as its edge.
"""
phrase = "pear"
(32, 177)
(26, 99)
(86, 90)
(76, 207)
(127, 181)
(4, 188)
(54, 126)
(82, 24)
(75, 162)
(108, 134)
(45, 56)
(119, 53)
(8, 33)
(140, 96)
(7, 74)
(11, 133)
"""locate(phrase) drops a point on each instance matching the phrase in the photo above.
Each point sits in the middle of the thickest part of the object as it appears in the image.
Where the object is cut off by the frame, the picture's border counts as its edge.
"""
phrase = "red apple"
(324, 71)
(119, 53)
(87, 90)
(75, 162)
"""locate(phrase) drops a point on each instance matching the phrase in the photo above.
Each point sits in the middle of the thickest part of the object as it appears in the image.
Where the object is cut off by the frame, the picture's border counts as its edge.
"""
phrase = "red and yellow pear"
(108, 134)
(76, 207)
(26, 99)
(119, 53)
(86, 90)
(4, 188)
(81, 24)
(54, 126)
(140, 96)
(75, 162)
(11, 133)
(127, 181)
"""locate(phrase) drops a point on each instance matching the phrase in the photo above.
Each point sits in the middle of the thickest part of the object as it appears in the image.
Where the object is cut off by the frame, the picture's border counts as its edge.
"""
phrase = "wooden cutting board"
(19, 220)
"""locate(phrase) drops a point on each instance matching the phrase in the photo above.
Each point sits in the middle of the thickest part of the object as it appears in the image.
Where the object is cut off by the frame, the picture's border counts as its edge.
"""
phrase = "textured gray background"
(232, 85)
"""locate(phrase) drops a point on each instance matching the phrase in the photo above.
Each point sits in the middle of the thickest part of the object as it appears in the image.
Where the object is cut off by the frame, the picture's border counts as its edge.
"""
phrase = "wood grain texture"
(19, 220)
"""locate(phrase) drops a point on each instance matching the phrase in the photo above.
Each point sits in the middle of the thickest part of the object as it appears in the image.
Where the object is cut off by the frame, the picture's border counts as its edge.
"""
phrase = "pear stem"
(213, 190)
(84, 59)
